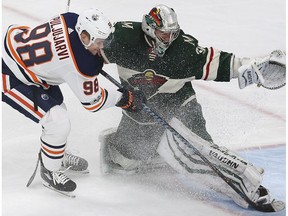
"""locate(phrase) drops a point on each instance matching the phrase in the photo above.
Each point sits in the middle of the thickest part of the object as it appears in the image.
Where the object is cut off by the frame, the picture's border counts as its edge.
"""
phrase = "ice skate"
(57, 181)
(74, 164)
(265, 203)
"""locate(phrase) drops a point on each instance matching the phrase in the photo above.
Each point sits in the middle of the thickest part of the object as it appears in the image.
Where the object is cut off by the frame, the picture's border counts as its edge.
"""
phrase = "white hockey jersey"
(52, 54)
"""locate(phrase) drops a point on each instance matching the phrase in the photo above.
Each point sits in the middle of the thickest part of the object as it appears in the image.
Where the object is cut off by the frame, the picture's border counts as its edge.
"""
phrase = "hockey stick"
(68, 6)
(163, 123)
(34, 173)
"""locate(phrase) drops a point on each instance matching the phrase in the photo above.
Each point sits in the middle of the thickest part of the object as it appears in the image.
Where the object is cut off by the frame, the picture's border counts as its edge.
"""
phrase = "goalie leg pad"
(183, 159)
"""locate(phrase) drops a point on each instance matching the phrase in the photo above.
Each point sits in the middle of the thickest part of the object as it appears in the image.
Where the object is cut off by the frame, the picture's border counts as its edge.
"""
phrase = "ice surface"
(238, 119)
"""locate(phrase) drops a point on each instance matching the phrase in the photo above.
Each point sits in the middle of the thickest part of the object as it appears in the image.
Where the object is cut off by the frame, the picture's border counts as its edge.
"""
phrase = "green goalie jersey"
(164, 79)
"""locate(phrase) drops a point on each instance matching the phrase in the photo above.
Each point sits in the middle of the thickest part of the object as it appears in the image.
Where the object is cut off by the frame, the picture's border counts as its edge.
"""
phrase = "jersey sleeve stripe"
(99, 105)
(5, 83)
(207, 69)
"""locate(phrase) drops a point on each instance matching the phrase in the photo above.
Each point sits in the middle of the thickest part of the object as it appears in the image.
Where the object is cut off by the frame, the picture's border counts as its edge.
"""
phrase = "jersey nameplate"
(58, 36)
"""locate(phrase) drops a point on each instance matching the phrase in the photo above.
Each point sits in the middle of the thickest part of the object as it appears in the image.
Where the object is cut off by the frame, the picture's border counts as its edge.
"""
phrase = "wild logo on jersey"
(148, 81)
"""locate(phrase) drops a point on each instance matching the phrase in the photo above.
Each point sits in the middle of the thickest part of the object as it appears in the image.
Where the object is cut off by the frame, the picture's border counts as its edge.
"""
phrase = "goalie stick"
(274, 206)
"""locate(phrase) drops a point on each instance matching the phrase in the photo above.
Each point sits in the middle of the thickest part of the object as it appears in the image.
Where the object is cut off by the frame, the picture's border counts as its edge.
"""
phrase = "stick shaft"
(68, 6)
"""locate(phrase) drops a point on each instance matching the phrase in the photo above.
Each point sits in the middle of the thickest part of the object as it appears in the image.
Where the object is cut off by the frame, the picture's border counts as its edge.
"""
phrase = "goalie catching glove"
(269, 72)
(131, 100)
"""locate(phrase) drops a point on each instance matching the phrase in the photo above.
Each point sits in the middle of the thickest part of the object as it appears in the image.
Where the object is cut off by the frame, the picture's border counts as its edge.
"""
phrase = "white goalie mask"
(161, 24)
(95, 23)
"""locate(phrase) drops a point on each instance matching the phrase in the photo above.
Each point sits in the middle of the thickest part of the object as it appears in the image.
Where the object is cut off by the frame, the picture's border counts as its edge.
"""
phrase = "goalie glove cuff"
(252, 72)
(247, 76)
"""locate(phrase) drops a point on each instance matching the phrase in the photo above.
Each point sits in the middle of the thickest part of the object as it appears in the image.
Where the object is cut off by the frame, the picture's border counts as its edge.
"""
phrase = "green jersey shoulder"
(184, 59)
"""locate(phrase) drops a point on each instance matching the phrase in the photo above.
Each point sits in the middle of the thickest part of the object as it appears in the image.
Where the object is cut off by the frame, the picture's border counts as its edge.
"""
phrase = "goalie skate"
(274, 206)
(265, 203)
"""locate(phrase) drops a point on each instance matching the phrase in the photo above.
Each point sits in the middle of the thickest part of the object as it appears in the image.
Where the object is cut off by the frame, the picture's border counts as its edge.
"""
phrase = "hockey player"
(36, 60)
(158, 58)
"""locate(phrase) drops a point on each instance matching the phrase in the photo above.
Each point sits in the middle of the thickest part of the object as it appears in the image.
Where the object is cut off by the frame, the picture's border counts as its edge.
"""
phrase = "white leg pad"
(183, 159)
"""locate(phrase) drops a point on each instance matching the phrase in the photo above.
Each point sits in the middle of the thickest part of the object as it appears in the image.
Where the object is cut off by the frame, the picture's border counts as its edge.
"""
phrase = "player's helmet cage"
(162, 18)
(95, 23)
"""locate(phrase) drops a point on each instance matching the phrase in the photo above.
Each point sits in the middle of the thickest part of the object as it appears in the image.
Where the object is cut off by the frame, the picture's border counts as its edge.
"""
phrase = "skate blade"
(73, 172)
(68, 194)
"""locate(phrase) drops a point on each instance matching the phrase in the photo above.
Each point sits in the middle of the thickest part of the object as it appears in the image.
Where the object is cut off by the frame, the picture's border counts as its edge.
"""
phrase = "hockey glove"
(131, 100)
(269, 72)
